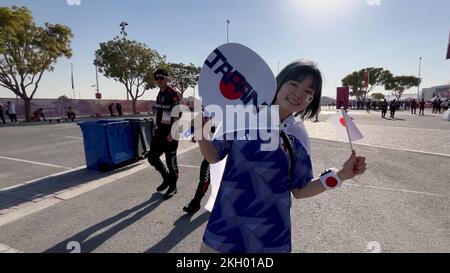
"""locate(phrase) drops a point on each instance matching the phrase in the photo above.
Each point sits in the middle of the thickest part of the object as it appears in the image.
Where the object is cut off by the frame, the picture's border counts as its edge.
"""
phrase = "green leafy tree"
(27, 51)
(130, 63)
(399, 84)
(356, 81)
(63, 97)
(377, 96)
(184, 76)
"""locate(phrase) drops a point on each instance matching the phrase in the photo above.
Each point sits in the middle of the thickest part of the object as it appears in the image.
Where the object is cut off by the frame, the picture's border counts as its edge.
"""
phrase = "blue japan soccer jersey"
(252, 209)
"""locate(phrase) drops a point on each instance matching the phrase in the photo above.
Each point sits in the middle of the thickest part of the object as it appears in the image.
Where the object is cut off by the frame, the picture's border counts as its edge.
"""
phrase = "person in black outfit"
(422, 107)
(70, 114)
(162, 141)
(205, 180)
(384, 107)
(203, 184)
(119, 109)
(393, 107)
(2, 117)
(413, 107)
(111, 111)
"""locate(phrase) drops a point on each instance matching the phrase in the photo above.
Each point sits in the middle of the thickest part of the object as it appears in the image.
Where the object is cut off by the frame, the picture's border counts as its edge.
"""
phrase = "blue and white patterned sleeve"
(303, 170)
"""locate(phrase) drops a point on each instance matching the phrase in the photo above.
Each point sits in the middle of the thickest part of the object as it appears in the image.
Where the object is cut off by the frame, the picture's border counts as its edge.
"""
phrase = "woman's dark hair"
(298, 71)
(161, 71)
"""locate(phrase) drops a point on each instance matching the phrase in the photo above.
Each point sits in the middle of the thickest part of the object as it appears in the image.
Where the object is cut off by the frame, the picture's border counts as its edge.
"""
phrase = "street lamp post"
(123, 25)
(418, 86)
(98, 96)
(96, 78)
(71, 78)
(228, 22)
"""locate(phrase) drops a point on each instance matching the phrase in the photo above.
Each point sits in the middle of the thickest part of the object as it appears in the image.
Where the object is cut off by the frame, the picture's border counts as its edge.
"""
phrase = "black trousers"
(12, 117)
(205, 180)
(2, 117)
(160, 145)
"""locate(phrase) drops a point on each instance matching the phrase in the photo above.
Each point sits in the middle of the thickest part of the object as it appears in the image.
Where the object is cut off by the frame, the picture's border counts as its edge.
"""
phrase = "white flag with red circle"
(340, 120)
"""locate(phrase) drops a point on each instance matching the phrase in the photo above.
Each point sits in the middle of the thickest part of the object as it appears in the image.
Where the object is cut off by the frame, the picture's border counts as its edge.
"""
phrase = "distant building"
(441, 91)
(408, 96)
(324, 101)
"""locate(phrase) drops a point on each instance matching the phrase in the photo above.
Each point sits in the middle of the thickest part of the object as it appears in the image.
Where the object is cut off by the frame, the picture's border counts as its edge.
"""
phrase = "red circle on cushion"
(229, 91)
(331, 182)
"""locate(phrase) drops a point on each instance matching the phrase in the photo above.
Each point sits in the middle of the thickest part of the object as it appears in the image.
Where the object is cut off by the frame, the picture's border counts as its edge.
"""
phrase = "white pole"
(228, 22)
(344, 114)
(73, 87)
(418, 86)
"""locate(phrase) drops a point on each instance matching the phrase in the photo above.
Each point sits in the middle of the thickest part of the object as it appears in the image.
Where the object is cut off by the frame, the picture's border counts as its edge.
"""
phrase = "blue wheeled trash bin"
(107, 143)
(142, 136)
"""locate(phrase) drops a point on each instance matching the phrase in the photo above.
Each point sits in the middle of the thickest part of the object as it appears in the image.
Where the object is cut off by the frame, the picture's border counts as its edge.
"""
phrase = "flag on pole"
(448, 47)
(366, 78)
(345, 126)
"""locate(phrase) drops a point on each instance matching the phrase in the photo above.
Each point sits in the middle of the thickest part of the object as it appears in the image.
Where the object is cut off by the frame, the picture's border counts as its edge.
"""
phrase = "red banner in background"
(366, 78)
(54, 108)
(342, 97)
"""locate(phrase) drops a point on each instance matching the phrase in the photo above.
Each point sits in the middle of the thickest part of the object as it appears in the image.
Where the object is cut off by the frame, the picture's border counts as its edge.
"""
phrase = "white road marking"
(188, 166)
(74, 137)
(397, 190)
(41, 179)
(12, 214)
(7, 249)
(408, 128)
(35, 162)
(386, 147)
(79, 168)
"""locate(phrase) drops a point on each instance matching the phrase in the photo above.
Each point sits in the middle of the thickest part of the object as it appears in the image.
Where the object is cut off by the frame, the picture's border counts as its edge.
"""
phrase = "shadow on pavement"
(183, 227)
(88, 242)
(394, 119)
(46, 187)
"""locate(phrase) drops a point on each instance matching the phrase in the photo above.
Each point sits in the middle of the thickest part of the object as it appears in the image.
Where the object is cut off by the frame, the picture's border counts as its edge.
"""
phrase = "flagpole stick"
(346, 128)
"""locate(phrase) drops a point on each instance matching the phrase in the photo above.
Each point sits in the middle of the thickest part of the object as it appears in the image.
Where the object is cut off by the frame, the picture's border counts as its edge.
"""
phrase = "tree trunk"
(27, 102)
(134, 106)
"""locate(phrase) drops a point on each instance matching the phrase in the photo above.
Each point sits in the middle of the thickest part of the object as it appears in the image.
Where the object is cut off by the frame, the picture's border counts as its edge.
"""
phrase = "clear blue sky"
(341, 36)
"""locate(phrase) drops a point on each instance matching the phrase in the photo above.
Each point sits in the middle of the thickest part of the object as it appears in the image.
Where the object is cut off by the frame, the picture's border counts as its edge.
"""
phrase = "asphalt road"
(401, 203)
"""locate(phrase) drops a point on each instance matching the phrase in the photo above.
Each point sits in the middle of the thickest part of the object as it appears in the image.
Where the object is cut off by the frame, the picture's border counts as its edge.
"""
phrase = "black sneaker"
(170, 193)
(192, 207)
(163, 186)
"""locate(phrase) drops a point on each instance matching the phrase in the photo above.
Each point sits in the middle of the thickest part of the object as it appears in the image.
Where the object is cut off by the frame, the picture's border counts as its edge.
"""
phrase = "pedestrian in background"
(111, 111)
(38, 114)
(384, 107)
(393, 107)
(422, 107)
(11, 112)
(119, 109)
(162, 141)
(71, 114)
(1, 114)
(413, 107)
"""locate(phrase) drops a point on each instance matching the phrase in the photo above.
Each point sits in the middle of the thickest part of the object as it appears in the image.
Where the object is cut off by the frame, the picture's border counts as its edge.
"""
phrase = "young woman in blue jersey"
(252, 209)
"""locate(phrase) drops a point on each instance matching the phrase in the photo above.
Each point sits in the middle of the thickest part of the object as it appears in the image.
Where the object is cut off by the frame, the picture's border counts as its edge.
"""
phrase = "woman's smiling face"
(295, 96)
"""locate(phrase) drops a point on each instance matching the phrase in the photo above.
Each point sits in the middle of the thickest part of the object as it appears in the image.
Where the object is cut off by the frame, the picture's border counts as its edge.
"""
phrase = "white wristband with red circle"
(330, 180)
